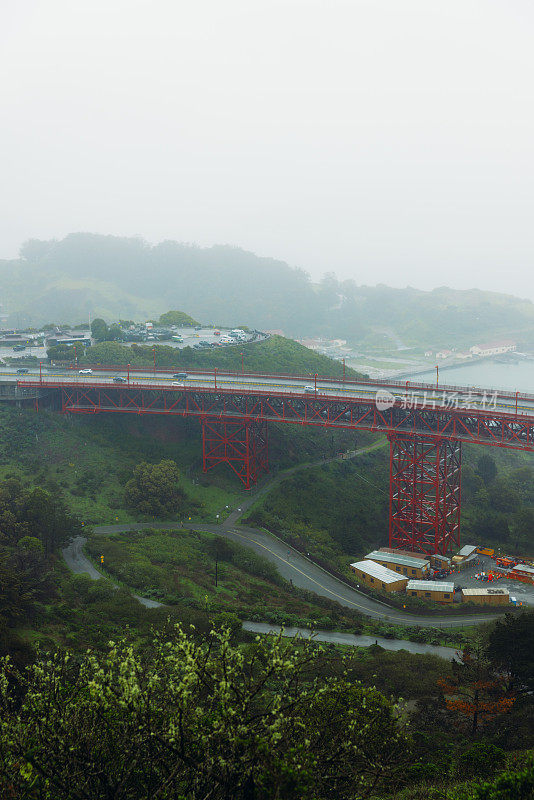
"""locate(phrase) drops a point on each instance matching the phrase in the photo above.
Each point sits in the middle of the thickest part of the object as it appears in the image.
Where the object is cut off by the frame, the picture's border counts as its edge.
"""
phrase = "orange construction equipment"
(485, 551)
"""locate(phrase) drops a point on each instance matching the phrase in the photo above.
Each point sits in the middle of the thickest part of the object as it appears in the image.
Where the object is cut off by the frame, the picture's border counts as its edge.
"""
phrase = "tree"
(195, 720)
(487, 469)
(511, 648)
(60, 352)
(154, 488)
(99, 330)
(34, 513)
(503, 496)
(523, 527)
(476, 692)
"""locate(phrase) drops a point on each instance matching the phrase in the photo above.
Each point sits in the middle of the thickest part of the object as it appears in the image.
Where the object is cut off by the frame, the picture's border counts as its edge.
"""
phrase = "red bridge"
(425, 425)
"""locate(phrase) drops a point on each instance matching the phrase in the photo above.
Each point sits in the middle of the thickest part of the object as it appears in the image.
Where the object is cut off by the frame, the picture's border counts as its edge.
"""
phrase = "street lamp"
(315, 382)
(215, 376)
(437, 375)
(128, 373)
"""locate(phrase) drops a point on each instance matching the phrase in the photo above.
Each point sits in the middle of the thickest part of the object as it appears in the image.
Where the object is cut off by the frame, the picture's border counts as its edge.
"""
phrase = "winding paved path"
(291, 565)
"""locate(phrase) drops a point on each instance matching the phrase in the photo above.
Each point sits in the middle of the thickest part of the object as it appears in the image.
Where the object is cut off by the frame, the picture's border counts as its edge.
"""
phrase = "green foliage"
(154, 488)
(480, 759)
(61, 352)
(511, 647)
(511, 785)
(26, 581)
(127, 277)
(179, 318)
(178, 567)
(27, 514)
(486, 468)
(337, 509)
(99, 330)
(275, 355)
(196, 720)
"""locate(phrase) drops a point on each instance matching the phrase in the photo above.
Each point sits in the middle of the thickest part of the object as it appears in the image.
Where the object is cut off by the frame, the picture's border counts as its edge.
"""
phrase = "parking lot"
(466, 578)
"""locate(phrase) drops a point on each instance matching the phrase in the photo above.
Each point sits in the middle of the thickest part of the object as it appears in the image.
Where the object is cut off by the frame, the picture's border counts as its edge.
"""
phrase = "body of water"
(487, 374)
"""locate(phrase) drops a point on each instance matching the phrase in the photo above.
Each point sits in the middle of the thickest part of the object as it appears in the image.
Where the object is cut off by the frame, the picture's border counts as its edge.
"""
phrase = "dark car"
(118, 379)
(181, 375)
(22, 371)
(19, 347)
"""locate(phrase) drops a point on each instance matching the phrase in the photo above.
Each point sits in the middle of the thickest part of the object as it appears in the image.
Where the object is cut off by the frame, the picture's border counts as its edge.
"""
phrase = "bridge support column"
(425, 493)
(242, 444)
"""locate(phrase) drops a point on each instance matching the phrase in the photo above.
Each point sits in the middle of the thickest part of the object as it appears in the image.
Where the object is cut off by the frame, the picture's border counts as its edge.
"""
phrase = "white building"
(493, 348)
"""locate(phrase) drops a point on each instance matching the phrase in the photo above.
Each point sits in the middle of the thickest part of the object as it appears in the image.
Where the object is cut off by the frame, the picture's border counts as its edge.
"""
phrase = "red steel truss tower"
(425, 490)
(241, 443)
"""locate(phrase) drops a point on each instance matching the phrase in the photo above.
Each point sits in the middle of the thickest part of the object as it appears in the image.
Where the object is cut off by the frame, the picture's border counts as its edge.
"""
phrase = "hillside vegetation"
(112, 277)
(274, 355)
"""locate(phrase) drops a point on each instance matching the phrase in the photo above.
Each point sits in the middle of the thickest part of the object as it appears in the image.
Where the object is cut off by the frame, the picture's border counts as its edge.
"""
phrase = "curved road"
(291, 565)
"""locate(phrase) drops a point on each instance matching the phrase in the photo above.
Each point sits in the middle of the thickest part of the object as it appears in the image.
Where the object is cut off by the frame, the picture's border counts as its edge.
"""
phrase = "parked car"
(85, 372)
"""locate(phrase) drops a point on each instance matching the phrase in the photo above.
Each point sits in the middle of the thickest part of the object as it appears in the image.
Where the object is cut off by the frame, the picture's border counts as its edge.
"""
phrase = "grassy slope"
(276, 355)
(178, 567)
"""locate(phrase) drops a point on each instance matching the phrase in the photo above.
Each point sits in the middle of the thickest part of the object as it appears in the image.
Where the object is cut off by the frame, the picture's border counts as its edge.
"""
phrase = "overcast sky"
(387, 140)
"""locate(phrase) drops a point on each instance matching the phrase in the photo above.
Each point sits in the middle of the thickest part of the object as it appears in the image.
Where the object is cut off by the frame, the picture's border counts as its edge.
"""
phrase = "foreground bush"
(192, 720)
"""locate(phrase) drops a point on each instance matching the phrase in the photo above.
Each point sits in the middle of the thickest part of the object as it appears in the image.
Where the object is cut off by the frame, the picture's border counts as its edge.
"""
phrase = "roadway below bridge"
(293, 566)
(303, 573)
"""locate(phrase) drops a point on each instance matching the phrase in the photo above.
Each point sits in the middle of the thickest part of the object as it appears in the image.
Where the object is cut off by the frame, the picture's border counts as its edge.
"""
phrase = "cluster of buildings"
(388, 570)
(478, 350)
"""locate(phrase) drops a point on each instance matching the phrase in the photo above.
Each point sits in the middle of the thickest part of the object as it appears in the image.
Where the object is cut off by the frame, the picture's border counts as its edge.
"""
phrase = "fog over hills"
(89, 274)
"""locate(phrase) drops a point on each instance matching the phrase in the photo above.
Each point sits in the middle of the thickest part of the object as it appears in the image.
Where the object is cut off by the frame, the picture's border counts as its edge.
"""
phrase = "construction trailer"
(437, 561)
(522, 572)
(486, 596)
(410, 566)
(439, 592)
(378, 577)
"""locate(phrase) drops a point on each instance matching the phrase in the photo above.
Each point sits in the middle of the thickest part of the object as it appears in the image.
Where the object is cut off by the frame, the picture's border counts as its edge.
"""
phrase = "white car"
(85, 372)
(309, 390)
(175, 383)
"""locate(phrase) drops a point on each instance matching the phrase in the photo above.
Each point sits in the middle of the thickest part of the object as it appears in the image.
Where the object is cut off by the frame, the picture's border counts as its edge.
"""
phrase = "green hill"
(112, 277)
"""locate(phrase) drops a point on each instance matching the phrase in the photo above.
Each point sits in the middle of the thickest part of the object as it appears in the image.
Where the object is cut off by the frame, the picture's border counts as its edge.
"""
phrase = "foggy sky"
(387, 141)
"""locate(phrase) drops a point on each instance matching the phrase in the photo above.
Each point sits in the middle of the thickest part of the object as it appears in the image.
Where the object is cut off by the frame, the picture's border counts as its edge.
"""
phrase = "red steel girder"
(241, 444)
(425, 493)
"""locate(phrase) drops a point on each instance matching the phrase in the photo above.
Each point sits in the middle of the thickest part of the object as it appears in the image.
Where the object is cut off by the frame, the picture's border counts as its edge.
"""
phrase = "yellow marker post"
(101, 559)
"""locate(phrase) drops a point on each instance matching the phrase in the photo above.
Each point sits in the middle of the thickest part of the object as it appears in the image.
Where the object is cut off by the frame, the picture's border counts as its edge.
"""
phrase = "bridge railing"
(419, 404)
(403, 386)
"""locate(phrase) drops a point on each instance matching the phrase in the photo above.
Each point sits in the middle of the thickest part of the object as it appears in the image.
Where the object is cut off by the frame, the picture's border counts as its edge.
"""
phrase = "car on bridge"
(119, 379)
(85, 372)
(309, 390)
(181, 375)
(22, 371)
(175, 383)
